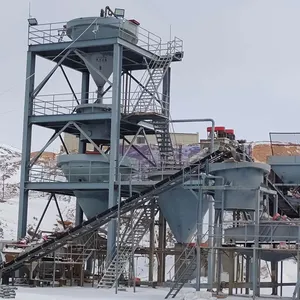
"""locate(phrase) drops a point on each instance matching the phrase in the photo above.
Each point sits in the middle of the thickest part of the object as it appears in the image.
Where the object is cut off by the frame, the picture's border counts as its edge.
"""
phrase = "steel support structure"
(26, 144)
(85, 85)
(114, 144)
(127, 57)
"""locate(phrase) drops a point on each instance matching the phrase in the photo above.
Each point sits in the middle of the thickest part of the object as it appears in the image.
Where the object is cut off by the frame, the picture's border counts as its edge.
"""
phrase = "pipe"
(198, 121)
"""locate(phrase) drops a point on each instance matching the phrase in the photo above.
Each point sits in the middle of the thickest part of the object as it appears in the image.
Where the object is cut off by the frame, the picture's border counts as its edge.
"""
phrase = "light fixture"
(119, 12)
(32, 22)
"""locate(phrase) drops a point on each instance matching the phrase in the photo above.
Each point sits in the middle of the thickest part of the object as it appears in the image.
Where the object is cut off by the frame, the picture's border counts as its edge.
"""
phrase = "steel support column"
(152, 243)
(161, 246)
(210, 258)
(199, 238)
(85, 85)
(114, 143)
(255, 261)
(26, 144)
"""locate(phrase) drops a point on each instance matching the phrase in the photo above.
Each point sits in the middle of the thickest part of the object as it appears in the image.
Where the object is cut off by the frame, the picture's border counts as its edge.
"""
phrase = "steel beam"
(54, 119)
(45, 80)
(26, 144)
(114, 144)
(85, 87)
(46, 48)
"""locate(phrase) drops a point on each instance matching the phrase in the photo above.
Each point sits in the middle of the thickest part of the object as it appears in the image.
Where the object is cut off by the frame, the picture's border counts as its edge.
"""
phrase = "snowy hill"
(10, 163)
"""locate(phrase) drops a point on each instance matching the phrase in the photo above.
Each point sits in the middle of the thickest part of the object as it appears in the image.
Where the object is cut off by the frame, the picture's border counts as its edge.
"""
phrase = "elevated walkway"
(103, 218)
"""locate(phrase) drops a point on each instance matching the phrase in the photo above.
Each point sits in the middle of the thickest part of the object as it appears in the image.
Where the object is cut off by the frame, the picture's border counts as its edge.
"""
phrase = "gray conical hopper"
(92, 168)
(240, 175)
(286, 167)
(179, 207)
(99, 62)
(95, 28)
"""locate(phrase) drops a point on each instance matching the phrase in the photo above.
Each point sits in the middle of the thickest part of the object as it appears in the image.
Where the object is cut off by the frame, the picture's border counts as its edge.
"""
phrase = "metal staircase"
(149, 100)
(188, 266)
(130, 204)
(164, 142)
(129, 241)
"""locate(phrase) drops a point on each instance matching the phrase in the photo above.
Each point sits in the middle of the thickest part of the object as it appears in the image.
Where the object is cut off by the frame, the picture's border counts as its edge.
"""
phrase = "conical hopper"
(246, 177)
(286, 167)
(103, 63)
(179, 207)
(90, 168)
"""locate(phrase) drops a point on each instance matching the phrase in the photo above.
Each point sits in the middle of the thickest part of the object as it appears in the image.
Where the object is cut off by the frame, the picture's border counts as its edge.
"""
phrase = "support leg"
(26, 145)
(114, 145)
(85, 83)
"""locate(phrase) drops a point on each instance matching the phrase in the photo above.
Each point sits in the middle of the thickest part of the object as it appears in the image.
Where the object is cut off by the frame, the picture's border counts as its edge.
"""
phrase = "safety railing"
(266, 232)
(89, 172)
(67, 103)
(57, 33)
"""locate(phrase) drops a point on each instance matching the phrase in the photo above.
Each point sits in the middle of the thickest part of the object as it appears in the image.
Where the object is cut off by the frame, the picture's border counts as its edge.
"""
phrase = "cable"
(6, 91)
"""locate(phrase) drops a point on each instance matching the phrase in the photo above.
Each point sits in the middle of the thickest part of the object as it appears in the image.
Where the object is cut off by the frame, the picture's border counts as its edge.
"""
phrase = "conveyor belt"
(104, 217)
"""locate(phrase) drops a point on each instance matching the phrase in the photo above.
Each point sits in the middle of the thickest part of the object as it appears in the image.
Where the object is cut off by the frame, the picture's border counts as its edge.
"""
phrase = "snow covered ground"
(90, 293)
(10, 159)
(102, 294)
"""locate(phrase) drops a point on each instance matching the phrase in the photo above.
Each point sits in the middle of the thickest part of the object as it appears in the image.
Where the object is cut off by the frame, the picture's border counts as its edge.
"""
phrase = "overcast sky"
(241, 64)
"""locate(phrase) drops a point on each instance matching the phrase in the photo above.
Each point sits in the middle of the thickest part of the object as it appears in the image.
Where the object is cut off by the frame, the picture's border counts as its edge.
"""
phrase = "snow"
(88, 293)
(10, 160)
(62, 293)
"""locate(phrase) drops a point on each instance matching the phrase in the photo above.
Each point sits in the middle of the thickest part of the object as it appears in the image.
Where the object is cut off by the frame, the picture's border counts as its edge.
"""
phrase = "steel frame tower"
(147, 104)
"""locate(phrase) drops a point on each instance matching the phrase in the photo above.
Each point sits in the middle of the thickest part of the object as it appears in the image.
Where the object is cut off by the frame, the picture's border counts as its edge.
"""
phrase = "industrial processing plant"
(227, 212)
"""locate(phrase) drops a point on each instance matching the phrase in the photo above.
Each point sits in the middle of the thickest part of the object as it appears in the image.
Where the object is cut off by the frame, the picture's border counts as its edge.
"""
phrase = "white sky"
(241, 64)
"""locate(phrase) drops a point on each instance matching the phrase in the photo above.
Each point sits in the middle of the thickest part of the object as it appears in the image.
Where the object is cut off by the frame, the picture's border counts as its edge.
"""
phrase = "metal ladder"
(128, 244)
(186, 270)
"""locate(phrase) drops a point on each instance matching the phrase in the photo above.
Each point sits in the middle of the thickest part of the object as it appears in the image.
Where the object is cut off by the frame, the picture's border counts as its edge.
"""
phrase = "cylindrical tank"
(99, 132)
(239, 175)
(101, 28)
(91, 168)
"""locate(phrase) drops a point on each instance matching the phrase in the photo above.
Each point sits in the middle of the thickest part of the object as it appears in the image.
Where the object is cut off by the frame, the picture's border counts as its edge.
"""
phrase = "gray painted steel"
(99, 132)
(240, 175)
(180, 206)
(268, 232)
(84, 168)
(102, 28)
(286, 167)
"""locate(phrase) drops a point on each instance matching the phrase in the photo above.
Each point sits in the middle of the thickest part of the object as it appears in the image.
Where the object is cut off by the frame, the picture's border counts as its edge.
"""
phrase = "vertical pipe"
(26, 144)
(85, 87)
(199, 237)
(210, 275)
